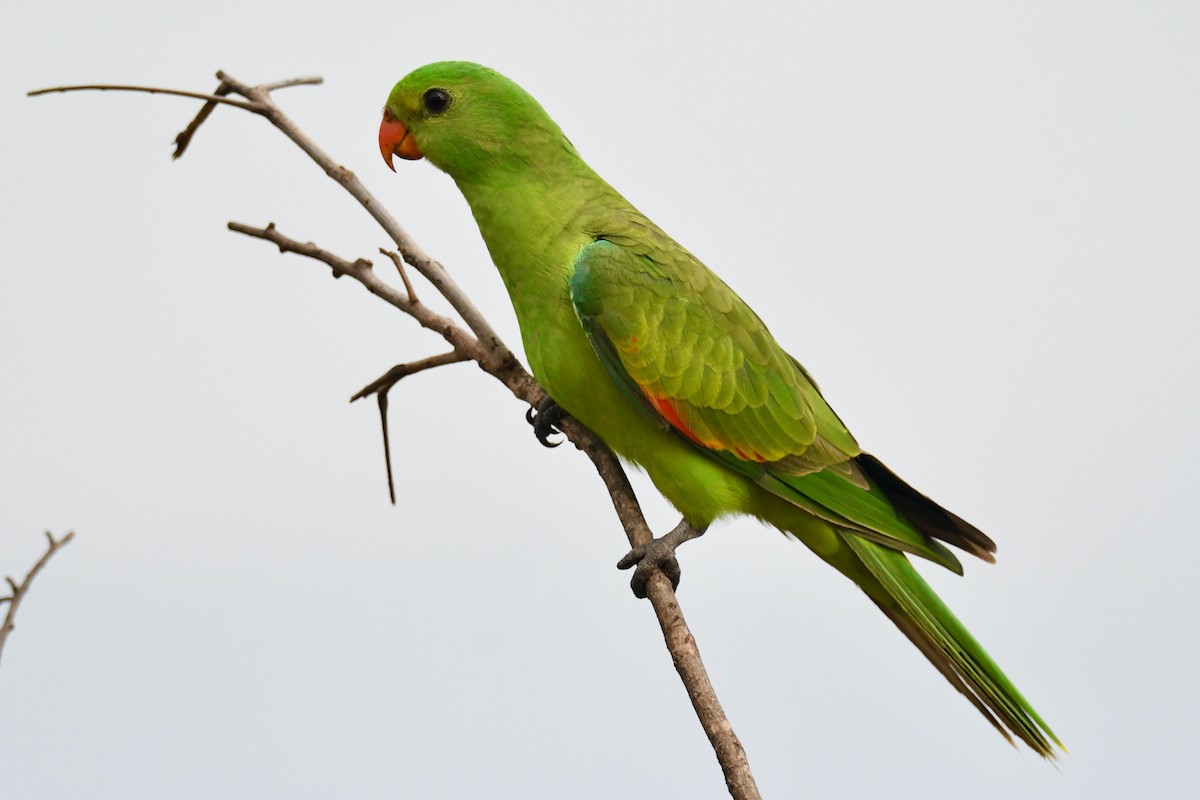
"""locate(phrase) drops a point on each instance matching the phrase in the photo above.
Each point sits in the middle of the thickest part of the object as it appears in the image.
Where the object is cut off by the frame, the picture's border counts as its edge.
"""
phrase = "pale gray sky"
(976, 224)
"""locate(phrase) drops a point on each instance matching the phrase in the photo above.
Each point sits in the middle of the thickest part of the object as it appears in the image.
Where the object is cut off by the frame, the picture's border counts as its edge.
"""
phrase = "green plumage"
(636, 338)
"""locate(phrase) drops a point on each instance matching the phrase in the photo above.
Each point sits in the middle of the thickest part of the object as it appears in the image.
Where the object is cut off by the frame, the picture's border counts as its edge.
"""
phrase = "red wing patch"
(666, 407)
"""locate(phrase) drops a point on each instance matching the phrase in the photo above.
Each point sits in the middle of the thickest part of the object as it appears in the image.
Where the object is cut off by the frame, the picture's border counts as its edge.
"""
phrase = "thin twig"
(399, 262)
(112, 87)
(383, 384)
(20, 590)
(311, 80)
(460, 339)
(218, 97)
(390, 378)
(286, 244)
(184, 138)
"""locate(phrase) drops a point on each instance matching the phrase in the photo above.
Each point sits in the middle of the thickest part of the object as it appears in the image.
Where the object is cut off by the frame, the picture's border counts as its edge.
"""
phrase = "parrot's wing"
(682, 345)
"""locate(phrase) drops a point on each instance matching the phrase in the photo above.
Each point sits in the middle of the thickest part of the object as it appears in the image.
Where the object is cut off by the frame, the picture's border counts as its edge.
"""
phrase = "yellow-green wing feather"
(684, 346)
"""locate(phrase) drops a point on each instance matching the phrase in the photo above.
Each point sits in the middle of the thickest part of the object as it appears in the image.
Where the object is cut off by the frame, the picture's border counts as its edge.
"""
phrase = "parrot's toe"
(658, 555)
(543, 419)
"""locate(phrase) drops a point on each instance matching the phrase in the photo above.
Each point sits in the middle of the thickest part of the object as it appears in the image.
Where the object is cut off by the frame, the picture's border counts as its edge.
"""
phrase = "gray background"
(975, 223)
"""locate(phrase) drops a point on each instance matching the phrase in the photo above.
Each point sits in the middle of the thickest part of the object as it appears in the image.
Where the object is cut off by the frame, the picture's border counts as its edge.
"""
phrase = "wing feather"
(684, 347)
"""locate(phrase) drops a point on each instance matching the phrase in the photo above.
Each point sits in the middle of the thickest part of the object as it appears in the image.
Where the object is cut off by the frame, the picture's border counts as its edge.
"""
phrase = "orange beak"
(394, 139)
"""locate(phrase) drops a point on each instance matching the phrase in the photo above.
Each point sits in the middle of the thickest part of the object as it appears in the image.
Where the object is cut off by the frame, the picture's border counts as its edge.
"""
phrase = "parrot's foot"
(543, 420)
(659, 554)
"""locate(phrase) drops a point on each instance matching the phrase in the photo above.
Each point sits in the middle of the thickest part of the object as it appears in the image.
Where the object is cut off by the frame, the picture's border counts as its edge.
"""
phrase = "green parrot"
(630, 334)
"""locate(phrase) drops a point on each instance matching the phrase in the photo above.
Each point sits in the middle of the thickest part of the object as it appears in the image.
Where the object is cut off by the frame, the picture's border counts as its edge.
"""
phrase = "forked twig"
(384, 383)
(19, 590)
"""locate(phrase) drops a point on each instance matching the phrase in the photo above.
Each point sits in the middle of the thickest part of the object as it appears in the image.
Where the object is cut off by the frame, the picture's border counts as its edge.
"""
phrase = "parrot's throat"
(533, 223)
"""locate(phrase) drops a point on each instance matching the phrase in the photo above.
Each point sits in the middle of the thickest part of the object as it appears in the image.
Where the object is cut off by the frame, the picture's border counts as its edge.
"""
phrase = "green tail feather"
(924, 618)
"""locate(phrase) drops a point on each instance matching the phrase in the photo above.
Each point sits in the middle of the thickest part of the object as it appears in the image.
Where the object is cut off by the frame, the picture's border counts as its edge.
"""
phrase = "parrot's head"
(466, 119)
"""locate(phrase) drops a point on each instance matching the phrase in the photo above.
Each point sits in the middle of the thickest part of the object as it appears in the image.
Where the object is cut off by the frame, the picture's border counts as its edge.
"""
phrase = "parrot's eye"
(436, 101)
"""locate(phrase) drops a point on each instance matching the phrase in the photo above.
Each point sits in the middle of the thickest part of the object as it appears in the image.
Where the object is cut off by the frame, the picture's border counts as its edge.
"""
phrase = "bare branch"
(20, 590)
(490, 353)
(685, 653)
(211, 100)
(340, 266)
(112, 87)
(461, 340)
(434, 272)
(260, 102)
(383, 384)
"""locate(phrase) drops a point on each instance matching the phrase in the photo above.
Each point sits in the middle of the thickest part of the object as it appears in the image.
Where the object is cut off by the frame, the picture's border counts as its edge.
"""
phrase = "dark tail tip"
(926, 514)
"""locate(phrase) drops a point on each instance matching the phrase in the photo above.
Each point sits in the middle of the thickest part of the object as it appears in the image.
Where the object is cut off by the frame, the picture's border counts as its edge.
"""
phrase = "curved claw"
(543, 419)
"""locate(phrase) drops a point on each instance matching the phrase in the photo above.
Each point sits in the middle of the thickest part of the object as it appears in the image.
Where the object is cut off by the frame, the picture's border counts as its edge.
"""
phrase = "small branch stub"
(399, 262)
